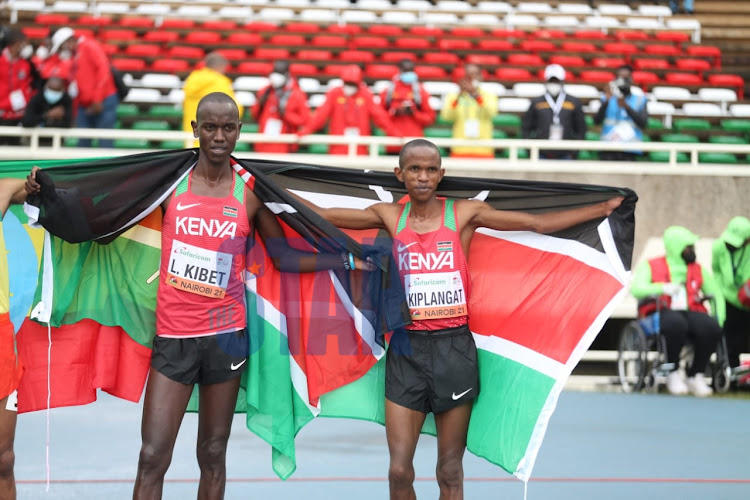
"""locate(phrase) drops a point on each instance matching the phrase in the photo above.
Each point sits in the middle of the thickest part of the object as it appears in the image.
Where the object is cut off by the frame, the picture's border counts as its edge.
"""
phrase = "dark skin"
(421, 172)
(472, 73)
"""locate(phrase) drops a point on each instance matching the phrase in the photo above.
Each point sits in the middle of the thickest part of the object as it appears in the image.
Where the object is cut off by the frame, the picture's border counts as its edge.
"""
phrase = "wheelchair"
(642, 356)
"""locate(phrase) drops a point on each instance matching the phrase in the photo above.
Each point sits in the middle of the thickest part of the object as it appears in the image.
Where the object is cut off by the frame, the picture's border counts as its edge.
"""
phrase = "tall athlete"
(431, 365)
(11, 192)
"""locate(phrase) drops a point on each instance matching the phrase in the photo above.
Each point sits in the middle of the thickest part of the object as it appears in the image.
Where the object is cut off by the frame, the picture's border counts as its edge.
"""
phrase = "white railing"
(35, 151)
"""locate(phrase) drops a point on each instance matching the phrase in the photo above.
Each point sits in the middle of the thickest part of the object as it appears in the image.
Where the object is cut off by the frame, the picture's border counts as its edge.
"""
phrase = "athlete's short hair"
(416, 143)
(216, 98)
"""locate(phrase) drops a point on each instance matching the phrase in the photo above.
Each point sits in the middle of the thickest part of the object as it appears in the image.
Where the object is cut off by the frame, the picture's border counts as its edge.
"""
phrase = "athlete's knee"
(212, 453)
(153, 460)
(450, 472)
(7, 460)
(401, 474)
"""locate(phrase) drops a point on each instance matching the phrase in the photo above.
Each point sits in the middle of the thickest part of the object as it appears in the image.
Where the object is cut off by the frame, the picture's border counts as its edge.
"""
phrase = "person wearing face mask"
(52, 108)
(680, 284)
(730, 260)
(92, 84)
(280, 108)
(471, 111)
(17, 83)
(623, 115)
(407, 102)
(554, 115)
(348, 111)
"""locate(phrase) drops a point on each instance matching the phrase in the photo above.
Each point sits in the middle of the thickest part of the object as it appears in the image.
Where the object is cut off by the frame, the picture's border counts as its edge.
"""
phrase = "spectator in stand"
(555, 115)
(730, 260)
(51, 108)
(49, 64)
(209, 78)
(471, 111)
(680, 284)
(348, 111)
(623, 113)
(17, 81)
(408, 103)
(92, 84)
(687, 6)
(280, 108)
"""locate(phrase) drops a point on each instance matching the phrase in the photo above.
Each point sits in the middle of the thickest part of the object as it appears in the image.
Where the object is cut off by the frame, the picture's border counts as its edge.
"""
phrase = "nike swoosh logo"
(181, 207)
(235, 367)
(401, 248)
(456, 397)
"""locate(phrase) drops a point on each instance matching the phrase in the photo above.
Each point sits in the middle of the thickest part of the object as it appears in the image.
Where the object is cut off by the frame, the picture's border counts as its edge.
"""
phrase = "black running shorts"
(201, 360)
(431, 371)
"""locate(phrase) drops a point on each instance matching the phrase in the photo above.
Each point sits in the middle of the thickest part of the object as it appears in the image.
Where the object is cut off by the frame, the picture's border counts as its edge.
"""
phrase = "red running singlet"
(204, 242)
(434, 272)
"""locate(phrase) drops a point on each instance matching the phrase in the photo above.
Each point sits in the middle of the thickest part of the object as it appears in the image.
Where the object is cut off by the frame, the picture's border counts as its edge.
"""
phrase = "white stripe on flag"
(364, 328)
(610, 248)
(520, 354)
(278, 208)
(326, 200)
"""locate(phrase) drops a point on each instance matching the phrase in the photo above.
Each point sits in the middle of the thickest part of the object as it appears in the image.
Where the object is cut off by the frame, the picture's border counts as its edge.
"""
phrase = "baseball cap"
(554, 71)
(61, 36)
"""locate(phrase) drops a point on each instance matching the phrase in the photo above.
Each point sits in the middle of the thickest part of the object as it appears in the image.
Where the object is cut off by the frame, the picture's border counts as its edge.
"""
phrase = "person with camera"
(681, 286)
(623, 115)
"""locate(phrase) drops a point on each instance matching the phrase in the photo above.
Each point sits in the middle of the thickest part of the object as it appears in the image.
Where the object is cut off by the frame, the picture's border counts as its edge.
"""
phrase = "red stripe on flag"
(541, 300)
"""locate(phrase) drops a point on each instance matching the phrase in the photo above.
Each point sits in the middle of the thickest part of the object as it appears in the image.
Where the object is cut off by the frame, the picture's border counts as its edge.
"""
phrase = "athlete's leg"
(452, 426)
(217, 403)
(163, 409)
(7, 457)
(402, 427)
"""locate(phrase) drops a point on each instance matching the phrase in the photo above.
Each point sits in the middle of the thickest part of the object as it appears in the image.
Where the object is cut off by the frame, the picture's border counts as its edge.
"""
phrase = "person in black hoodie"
(52, 107)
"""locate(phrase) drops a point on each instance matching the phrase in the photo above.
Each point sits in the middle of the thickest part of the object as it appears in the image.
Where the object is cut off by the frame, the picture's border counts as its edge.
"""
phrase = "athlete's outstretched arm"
(348, 218)
(12, 192)
(550, 222)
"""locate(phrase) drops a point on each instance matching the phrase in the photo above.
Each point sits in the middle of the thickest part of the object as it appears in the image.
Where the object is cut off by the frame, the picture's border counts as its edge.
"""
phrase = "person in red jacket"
(92, 84)
(407, 102)
(16, 83)
(280, 108)
(50, 65)
(348, 111)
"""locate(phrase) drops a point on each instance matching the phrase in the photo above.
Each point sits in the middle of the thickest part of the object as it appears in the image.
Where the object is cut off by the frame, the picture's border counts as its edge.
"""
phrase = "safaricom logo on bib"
(198, 226)
(187, 253)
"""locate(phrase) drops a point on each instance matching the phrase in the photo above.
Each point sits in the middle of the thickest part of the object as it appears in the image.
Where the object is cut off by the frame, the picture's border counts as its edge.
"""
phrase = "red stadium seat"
(244, 39)
(257, 26)
(51, 20)
(218, 25)
(578, 47)
(161, 36)
(467, 31)
(537, 46)
(35, 32)
(328, 41)
(303, 69)
(171, 65)
(650, 64)
(178, 24)
(203, 37)
(620, 48)
(369, 42)
(129, 64)
(663, 50)
(568, 61)
(590, 35)
(683, 79)
(697, 65)
(645, 78)
(596, 76)
(356, 56)
(347, 29)
(334, 70)
(708, 51)
(136, 22)
(525, 60)
(672, 36)
(119, 35)
(79, 32)
(89, 20)
(631, 36)
(272, 54)
(513, 74)
(608, 62)
(142, 50)
(233, 54)
(503, 33)
(483, 59)
(302, 28)
(495, 45)
(110, 50)
(426, 31)
(441, 58)
(381, 71)
(410, 43)
(430, 72)
(449, 44)
(182, 52)
(314, 55)
(385, 30)
(396, 57)
(255, 68)
(722, 80)
(544, 34)
(288, 40)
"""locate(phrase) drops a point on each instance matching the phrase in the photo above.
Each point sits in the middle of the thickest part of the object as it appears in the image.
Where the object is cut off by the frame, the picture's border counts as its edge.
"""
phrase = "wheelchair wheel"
(631, 358)
(721, 372)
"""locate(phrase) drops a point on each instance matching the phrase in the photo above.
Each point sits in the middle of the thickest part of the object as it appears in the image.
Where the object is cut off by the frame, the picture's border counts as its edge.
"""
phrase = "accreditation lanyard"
(555, 106)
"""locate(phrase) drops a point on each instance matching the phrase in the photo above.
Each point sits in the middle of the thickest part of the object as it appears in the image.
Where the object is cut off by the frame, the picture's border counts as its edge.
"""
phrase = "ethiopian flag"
(537, 301)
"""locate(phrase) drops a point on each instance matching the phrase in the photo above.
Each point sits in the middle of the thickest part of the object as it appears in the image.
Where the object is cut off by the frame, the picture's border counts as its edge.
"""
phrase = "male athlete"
(201, 333)
(431, 365)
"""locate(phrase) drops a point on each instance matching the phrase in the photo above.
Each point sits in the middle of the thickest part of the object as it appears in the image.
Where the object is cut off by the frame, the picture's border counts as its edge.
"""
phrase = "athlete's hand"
(611, 205)
(364, 265)
(31, 186)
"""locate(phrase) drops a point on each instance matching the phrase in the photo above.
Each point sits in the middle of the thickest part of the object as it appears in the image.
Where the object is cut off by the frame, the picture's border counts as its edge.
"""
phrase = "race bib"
(197, 270)
(273, 127)
(435, 295)
(471, 129)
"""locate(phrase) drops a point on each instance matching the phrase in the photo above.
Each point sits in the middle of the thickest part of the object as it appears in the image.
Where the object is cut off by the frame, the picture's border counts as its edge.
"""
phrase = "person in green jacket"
(680, 284)
(731, 265)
